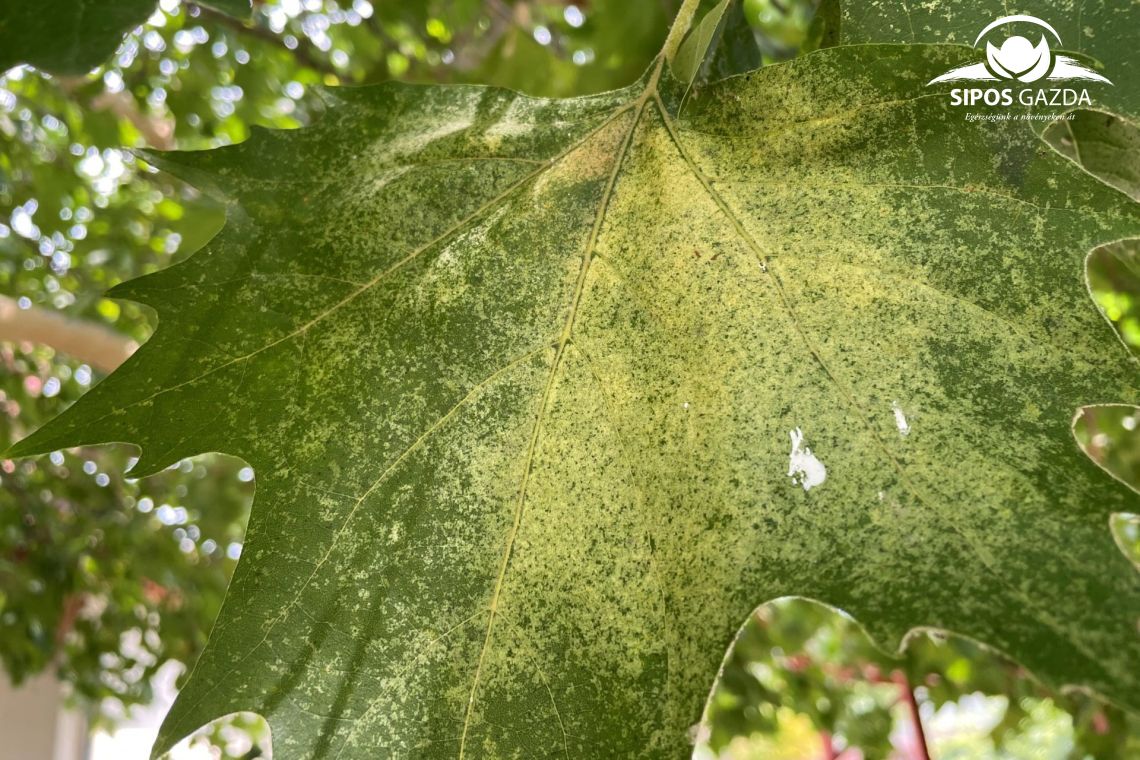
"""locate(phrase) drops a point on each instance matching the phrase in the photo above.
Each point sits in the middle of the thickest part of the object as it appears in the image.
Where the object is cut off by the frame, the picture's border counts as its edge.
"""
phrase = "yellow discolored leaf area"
(544, 397)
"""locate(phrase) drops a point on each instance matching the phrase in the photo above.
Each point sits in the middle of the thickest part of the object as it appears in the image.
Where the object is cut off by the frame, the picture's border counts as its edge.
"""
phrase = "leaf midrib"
(544, 401)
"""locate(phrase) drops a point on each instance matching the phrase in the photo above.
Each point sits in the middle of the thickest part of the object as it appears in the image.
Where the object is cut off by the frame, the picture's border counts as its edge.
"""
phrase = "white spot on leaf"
(804, 468)
(900, 419)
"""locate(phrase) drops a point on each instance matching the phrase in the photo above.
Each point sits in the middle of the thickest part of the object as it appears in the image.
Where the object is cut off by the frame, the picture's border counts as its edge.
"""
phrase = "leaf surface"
(1106, 146)
(545, 397)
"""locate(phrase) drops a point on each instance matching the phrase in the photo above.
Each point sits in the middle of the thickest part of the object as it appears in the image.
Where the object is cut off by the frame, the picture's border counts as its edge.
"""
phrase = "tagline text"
(1020, 116)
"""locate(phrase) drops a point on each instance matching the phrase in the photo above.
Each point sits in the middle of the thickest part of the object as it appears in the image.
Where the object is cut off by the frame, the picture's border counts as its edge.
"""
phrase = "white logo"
(1019, 60)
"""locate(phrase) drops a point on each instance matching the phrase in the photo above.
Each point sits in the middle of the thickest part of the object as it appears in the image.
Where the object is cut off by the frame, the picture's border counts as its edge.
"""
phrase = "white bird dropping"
(804, 468)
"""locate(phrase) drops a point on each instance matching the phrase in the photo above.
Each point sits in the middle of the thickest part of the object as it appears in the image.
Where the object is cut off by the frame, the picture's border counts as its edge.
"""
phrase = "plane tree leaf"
(1106, 145)
(693, 51)
(75, 36)
(735, 50)
(545, 397)
(724, 43)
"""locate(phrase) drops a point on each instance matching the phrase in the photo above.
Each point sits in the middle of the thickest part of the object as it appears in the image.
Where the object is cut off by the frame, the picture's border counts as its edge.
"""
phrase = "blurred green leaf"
(75, 36)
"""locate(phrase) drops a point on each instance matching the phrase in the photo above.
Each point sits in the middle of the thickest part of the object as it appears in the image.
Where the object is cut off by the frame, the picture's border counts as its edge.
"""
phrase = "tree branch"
(828, 746)
(303, 55)
(91, 344)
(156, 131)
(906, 693)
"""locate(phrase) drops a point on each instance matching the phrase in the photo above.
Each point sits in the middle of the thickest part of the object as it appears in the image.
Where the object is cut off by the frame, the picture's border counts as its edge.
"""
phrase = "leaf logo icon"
(1018, 59)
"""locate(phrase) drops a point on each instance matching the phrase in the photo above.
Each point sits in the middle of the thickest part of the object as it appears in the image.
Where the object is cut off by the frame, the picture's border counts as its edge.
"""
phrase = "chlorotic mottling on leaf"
(545, 397)
(75, 36)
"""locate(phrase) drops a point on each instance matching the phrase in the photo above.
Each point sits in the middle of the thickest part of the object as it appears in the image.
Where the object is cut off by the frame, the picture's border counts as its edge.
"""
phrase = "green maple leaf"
(75, 36)
(545, 397)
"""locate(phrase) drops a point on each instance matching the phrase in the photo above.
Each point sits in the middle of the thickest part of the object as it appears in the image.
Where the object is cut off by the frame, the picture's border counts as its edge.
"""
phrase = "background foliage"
(103, 579)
